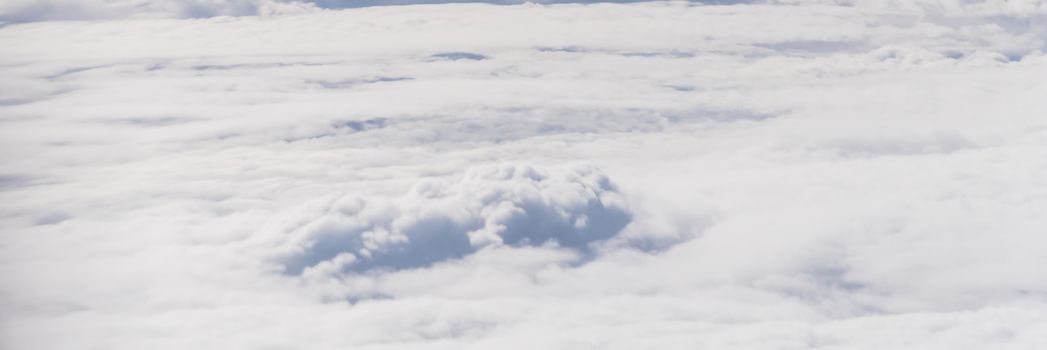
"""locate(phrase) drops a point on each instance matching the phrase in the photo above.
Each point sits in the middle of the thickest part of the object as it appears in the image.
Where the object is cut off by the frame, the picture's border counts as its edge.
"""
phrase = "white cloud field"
(652, 175)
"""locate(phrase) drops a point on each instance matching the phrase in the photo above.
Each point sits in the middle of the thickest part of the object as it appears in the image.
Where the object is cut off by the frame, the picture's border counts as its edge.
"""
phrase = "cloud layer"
(20, 11)
(788, 176)
(49, 10)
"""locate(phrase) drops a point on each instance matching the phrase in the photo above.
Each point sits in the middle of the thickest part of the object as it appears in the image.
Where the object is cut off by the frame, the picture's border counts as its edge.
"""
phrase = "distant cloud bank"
(21, 11)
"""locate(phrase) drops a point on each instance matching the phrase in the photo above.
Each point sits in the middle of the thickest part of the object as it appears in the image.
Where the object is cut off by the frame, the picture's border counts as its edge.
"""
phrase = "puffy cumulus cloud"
(805, 176)
(498, 206)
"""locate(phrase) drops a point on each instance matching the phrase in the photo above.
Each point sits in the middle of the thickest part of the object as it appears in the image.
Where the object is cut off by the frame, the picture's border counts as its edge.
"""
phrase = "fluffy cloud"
(794, 176)
(509, 205)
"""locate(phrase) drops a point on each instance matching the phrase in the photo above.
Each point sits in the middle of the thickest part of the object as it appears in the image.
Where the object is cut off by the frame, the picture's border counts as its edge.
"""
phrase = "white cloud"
(785, 176)
(507, 205)
(47, 10)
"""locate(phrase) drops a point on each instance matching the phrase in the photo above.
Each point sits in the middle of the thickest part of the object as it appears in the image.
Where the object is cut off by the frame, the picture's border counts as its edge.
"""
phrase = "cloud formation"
(20, 11)
(788, 176)
(499, 206)
(49, 10)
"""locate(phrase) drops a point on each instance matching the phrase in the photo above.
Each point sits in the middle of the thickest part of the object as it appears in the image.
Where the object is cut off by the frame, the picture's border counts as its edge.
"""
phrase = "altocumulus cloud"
(801, 175)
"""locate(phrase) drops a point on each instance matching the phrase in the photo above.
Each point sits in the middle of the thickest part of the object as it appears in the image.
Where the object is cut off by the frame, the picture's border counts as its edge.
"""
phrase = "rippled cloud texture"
(804, 175)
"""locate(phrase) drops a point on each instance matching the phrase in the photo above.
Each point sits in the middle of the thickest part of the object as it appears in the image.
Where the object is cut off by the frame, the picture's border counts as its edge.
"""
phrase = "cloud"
(48, 10)
(20, 11)
(454, 56)
(499, 206)
(803, 175)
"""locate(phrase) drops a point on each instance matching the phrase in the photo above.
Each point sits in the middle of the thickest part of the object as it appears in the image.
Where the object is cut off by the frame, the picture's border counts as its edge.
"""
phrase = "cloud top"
(507, 205)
